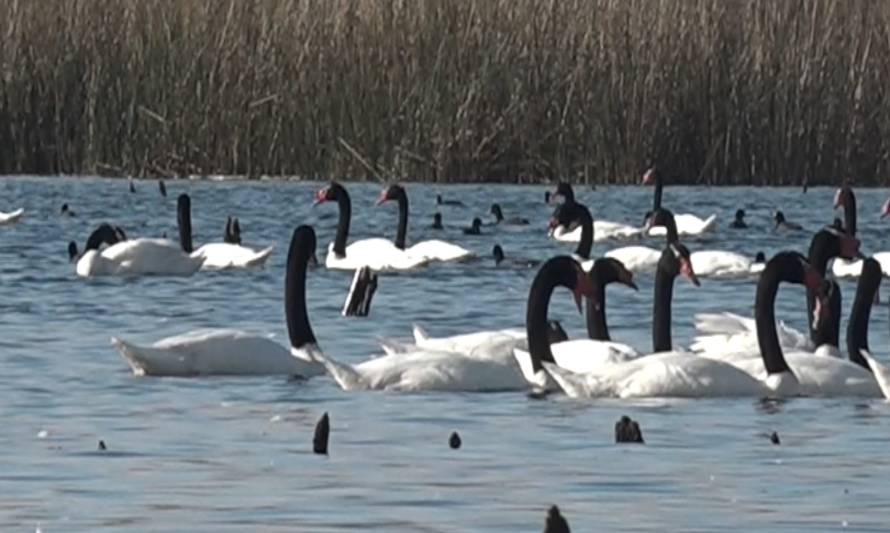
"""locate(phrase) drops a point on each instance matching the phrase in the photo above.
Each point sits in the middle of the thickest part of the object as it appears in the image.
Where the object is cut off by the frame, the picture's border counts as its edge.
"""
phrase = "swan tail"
(710, 223)
(721, 323)
(420, 334)
(344, 375)
(259, 259)
(572, 384)
(881, 372)
(145, 361)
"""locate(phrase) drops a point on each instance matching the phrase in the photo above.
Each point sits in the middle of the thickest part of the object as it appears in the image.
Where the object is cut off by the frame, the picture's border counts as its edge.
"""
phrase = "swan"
(729, 333)
(12, 217)
(687, 224)
(798, 373)
(232, 352)
(665, 373)
(218, 255)
(436, 369)
(434, 249)
(573, 354)
(846, 268)
(602, 229)
(377, 253)
(135, 257)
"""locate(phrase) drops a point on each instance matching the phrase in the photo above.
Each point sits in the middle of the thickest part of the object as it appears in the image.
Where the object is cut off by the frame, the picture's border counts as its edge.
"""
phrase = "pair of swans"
(378, 253)
(152, 256)
(687, 224)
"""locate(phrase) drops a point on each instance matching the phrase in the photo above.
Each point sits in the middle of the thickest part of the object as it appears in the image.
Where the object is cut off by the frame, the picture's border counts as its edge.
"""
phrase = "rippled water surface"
(234, 454)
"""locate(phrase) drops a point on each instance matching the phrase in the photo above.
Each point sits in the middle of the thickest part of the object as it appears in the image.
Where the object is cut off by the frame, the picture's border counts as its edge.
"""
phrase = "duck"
(729, 333)
(219, 351)
(378, 253)
(666, 372)
(431, 250)
(67, 211)
(739, 220)
(782, 223)
(137, 257)
(501, 260)
(12, 217)
(441, 201)
(475, 227)
(218, 255)
(437, 221)
(441, 370)
(687, 224)
(797, 373)
(498, 215)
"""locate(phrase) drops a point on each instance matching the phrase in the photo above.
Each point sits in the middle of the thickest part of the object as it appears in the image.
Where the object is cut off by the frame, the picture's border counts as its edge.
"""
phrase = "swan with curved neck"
(429, 369)
(603, 230)
(140, 257)
(827, 244)
(377, 253)
(233, 352)
(860, 313)
(432, 250)
(218, 255)
(687, 224)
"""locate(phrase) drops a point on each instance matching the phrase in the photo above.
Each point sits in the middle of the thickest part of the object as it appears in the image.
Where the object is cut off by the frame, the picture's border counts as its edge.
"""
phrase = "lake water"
(234, 454)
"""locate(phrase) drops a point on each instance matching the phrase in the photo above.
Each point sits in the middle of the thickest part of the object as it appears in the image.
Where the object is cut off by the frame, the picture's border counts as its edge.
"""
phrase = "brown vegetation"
(717, 91)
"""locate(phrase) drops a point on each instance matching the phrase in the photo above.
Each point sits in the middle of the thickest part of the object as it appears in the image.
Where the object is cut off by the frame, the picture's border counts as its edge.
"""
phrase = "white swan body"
(217, 352)
(687, 224)
(467, 343)
(720, 263)
(667, 375)
(11, 217)
(376, 253)
(138, 257)
(730, 334)
(636, 258)
(223, 255)
(427, 370)
(603, 230)
(437, 250)
(578, 356)
(843, 268)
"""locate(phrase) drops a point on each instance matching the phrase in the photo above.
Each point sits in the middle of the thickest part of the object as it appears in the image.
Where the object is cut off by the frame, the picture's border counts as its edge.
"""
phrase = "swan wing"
(636, 258)
(223, 255)
(437, 250)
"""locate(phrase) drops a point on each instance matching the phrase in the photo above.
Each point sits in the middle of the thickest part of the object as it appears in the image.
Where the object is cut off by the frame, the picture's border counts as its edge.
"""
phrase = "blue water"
(233, 454)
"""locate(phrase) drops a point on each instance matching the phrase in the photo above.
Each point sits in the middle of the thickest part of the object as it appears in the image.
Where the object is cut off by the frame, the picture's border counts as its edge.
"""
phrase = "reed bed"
(714, 91)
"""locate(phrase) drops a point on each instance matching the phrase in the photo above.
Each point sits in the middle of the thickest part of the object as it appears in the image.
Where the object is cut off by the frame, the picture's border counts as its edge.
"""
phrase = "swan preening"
(233, 352)
(152, 256)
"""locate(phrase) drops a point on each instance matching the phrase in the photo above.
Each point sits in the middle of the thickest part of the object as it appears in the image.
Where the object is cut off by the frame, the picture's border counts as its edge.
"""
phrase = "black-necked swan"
(687, 224)
(500, 220)
(140, 257)
(433, 249)
(729, 333)
(377, 253)
(217, 255)
(233, 352)
(426, 369)
(667, 372)
(857, 329)
(845, 268)
(782, 223)
(798, 373)
(739, 220)
(603, 229)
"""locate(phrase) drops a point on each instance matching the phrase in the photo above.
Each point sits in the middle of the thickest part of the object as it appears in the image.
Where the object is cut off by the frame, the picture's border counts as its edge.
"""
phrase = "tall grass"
(714, 91)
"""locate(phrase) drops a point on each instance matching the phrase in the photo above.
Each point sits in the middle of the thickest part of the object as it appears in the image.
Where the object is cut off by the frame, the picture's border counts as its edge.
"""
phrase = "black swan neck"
(823, 247)
(302, 247)
(860, 313)
(765, 316)
(659, 187)
(401, 234)
(586, 243)
(550, 276)
(849, 200)
(184, 221)
(661, 306)
(597, 328)
(344, 204)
